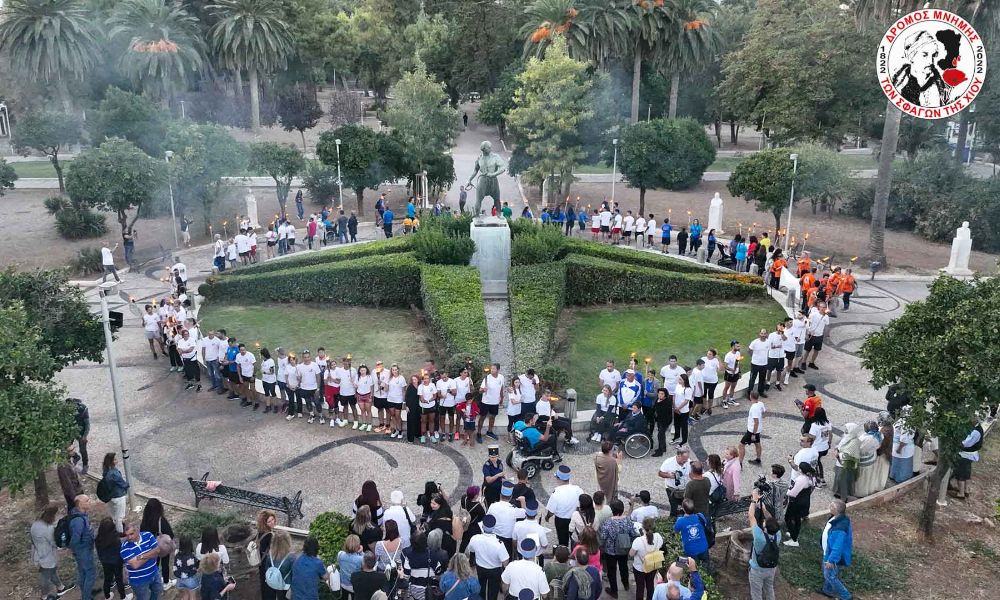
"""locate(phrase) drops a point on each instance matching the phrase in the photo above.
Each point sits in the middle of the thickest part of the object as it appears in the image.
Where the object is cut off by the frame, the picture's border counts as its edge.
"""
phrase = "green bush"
(536, 245)
(321, 183)
(537, 296)
(54, 204)
(330, 529)
(633, 257)
(457, 362)
(392, 280)
(453, 300)
(434, 246)
(592, 281)
(449, 224)
(88, 261)
(552, 377)
(75, 223)
(193, 523)
(394, 245)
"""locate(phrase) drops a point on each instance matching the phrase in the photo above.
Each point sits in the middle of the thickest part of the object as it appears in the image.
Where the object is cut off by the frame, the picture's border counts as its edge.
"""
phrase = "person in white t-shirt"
(606, 217)
(806, 454)
(610, 376)
(683, 400)
(616, 227)
(670, 372)
(710, 376)
(513, 407)
(269, 380)
(758, 363)
(397, 389)
(797, 331)
(529, 391)
(776, 355)
(427, 393)
(108, 262)
(447, 399)
(232, 254)
(187, 347)
(243, 246)
(151, 328)
(605, 413)
(819, 320)
(732, 362)
(345, 377)
(493, 389)
(381, 395)
(755, 425)
(628, 227)
(696, 377)
(364, 388)
(788, 347)
(640, 231)
(219, 253)
(245, 362)
(652, 230)
(308, 373)
(821, 430)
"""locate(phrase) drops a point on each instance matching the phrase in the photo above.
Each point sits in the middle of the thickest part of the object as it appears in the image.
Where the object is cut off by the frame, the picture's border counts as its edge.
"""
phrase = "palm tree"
(543, 18)
(52, 40)
(251, 35)
(691, 43)
(606, 25)
(163, 46)
(649, 24)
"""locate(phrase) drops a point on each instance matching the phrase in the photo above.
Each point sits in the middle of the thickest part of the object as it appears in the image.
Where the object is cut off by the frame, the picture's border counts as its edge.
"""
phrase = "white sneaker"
(299, 415)
(355, 425)
(791, 543)
(332, 423)
(342, 422)
(127, 597)
(573, 440)
(169, 584)
(368, 428)
(289, 417)
(322, 421)
(311, 420)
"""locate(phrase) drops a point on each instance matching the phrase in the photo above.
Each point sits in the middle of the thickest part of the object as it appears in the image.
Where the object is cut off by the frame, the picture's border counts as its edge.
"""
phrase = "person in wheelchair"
(538, 438)
(560, 424)
(634, 422)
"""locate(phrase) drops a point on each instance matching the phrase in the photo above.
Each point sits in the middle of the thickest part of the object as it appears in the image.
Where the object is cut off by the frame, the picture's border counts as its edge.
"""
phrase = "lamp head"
(169, 154)
(793, 156)
(615, 141)
(337, 141)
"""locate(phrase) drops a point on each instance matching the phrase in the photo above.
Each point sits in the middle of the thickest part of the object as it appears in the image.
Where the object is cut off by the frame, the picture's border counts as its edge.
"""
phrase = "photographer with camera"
(764, 551)
(673, 589)
(675, 470)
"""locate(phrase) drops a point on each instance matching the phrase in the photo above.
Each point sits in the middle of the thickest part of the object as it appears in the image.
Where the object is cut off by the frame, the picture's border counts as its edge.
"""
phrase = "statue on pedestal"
(961, 249)
(489, 166)
(251, 202)
(715, 214)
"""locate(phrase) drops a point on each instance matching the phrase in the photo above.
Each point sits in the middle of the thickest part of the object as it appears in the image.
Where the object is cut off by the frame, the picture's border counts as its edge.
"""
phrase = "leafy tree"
(282, 162)
(116, 176)
(251, 35)
(163, 45)
(376, 46)
(46, 132)
(203, 155)
(298, 109)
(955, 320)
(130, 116)
(552, 101)
(440, 173)
(419, 113)
(494, 107)
(344, 107)
(360, 166)
(486, 41)
(51, 40)
(824, 176)
(664, 154)
(691, 42)
(432, 39)
(7, 176)
(321, 182)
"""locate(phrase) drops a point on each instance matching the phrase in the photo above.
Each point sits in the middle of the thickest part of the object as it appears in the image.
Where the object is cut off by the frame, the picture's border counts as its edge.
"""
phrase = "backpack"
(767, 558)
(273, 576)
(623, 542)
(62, 533)
(104, 489)
(718, 495)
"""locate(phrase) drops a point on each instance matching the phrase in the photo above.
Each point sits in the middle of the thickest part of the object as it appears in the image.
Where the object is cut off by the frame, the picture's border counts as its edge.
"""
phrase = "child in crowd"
(186, 569)
(469, 411)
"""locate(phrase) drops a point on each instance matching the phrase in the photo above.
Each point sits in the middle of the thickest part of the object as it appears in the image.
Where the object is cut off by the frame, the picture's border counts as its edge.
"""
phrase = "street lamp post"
(170, 186)
(791, 200)
(340, 184)
(614, 170)
(182, 110)
(423, 183)
(105, 289)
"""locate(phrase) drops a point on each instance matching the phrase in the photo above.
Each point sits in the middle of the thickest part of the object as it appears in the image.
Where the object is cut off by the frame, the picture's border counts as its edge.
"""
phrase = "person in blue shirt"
(492, 475)
(81, 544)
(140, 554)
(526, 213)
(695, 241)
(546, 217)
(459, 581)
(231, 373)
(411, 208)
(741, 255)
(649, 390)
(837, 547)
(535, 437)
(307, 572)
(692, 526)
(673, 590)
(582, 219)
(570, 219)
(712, 242)
(560, 217)
(387, 222)
(665, 236)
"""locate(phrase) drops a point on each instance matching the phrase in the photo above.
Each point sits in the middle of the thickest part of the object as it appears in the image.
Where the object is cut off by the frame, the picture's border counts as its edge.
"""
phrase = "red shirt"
(811, 404)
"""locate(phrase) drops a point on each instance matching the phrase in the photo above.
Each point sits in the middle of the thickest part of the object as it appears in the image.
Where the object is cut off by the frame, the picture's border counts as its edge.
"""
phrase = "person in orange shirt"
(778, 263)
(812, 296)
(805, 263)
(847, 287)
(833, 290)
(806, 282)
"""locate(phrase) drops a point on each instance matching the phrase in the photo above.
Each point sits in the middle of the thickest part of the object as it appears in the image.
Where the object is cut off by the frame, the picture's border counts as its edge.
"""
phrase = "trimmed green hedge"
(453, 301)
(379, 248)
(538, 245)
(537, 296)
(592, 280)
(644, 259)
(437, 247)
(392, 280)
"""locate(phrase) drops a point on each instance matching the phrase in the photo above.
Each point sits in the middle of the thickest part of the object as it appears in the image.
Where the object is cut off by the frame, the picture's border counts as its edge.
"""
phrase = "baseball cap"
(489, 522)
(563, 472)
(528, 549)
(810, 387)
(281, 351)
(531, 508)
(507, 489)
(526, 594)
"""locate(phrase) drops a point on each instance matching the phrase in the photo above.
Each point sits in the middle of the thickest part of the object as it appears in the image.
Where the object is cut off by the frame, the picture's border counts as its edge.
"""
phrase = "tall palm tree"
(251, 35)
(543, 18)
(649, 25)
(52, 40)
(163, 46)
(691, 42)
(606, 24)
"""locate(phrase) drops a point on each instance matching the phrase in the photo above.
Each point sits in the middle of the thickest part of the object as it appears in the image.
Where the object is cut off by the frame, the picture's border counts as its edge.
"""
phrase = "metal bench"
(292, 507)
(731, 507)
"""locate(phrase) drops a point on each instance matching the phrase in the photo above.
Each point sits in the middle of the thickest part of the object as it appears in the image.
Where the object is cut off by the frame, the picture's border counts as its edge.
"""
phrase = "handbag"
(165, 545)
(333, 578)
(253, 553)
(434, 591)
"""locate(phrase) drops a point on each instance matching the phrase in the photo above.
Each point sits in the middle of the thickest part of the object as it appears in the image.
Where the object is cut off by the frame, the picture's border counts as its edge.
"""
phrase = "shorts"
(394, 405)
(188, 583)
(446, 410)
(348, 400)
(750, 438)
(330, 395)
(665, 241)
(233, 376)
(962, 469)
(469, 425)
(605, 228)
(152, 335)
(814, 343)
(381, 403)
(245, 254)
(365, 398)
(789, 357)
(775, 364)
(269, 244)
(800, 349)
(638, 234)
(732, 377)
(698, 400)
(489, 409)
(432, 410)
(595, 229)
(616, 230)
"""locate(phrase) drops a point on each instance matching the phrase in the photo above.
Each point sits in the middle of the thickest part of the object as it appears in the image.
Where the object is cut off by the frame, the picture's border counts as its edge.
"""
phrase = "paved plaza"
(175, 434)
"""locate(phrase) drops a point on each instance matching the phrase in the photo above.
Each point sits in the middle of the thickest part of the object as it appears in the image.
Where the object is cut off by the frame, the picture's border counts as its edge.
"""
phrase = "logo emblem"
(931, 64)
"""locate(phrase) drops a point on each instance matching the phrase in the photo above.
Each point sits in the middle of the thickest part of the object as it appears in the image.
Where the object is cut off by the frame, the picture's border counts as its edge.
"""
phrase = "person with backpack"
(73, 531)
(765, 549)
(113, 489)
(44, 553)
(277, 566)
(616, 542)
(647, 558)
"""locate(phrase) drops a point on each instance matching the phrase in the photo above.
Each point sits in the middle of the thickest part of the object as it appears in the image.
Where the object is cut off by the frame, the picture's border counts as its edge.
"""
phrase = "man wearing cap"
(629, 392)
(506, 515)
(530, 528)
(812, 401)
(402, 515)
(492, 475)
(563, 502)
(490, 556)
(523, 579)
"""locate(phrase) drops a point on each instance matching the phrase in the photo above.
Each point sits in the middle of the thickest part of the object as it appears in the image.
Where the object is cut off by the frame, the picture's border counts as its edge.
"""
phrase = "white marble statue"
(961, 249)
(251, 202)
(715, 214)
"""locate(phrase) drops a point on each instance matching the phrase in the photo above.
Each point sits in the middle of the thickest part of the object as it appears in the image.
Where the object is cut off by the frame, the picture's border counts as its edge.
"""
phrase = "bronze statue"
(488, 166)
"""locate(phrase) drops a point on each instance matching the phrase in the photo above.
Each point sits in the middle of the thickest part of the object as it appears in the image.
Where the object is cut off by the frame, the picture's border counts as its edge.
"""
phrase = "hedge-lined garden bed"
(537, 296)
(379, 248)
(453, 302)
(631, 256)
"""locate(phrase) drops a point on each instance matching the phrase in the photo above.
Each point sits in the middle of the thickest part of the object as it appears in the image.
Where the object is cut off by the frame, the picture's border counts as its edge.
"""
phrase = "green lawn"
(38, 168)
(728, 163)
(599, 334)
(391, 335)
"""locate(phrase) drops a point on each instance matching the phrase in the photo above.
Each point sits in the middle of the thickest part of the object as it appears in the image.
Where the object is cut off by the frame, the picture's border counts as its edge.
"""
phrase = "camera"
(762, 486)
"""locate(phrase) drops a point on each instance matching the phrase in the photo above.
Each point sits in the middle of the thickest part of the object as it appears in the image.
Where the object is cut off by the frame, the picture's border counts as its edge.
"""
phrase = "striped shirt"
(130, 550)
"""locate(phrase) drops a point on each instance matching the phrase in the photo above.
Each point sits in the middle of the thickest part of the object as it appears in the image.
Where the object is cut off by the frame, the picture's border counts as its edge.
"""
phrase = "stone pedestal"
(492, 256)
(961, 250)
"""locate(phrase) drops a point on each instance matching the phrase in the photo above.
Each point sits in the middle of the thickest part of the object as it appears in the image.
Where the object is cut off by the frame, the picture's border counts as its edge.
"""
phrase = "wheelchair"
(636, 445)
(532, 460)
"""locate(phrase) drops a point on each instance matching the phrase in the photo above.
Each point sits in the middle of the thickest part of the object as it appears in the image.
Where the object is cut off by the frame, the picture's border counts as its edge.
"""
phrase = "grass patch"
(596, 335)
(881, 572)
(39, 168)
(537, 296)
(392, 335)
(980, 548)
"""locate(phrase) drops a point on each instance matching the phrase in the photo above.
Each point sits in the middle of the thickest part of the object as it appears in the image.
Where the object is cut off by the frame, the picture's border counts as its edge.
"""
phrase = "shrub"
(592, 280)
(193, 523)
(449, 224)
(379, 248)
(645, 259)
(330, 529)
(537, 296)
(673, 549)
(75, 223)
(453, 300)
(536, 245)
(321, 183)
(457, 362)
(434, 246)
(740, 277)
(54, 204)
(88, 261)
(392, 280)
(552, 377)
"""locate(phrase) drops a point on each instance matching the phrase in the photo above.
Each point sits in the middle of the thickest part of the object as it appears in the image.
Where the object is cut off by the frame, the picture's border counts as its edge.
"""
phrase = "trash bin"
(570, 409)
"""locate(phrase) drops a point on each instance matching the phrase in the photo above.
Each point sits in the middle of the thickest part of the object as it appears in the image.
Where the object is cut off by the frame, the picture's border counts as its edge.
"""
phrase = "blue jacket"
(119, 487)
(696, 231)
(839, 542)
(81, 538)
(387, 217)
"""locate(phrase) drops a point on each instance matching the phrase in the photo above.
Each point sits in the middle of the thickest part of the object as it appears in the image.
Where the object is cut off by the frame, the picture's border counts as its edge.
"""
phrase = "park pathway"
(501, 335)
(465, 153)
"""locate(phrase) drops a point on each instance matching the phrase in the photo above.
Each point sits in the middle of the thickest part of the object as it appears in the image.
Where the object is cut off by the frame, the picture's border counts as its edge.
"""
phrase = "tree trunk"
(890, 137)
(963, 135)
(734, 131)
(41, 489)
(718, 132)
(64, 97)
(675, 84)
(777, 219)
(636, 76)
(360, 193)
(642, 201)
(926, 520)
(59, 172)
(238, 84)
(254, 100)
(302, 132)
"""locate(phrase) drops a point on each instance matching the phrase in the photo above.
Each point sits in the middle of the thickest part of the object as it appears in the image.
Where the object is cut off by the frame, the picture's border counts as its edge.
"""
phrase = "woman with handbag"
(154, 522)
(421, 567)
(349, 561)
(389, 553)
(363, 527)
(459, 582)
(644, 546)
(472, 506)
(261, 545)
(277, 566)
